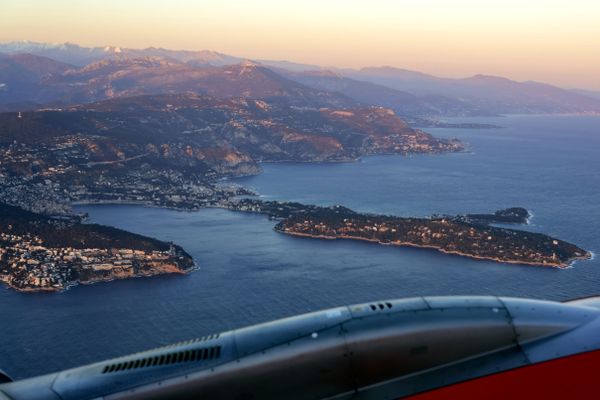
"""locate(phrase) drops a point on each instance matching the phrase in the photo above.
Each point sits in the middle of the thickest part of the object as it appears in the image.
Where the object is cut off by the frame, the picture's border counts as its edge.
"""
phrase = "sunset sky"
(546, 40)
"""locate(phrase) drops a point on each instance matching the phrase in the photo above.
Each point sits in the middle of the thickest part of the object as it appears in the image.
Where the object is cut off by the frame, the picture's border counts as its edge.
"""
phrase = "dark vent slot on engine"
(180, 357)
(380, 306)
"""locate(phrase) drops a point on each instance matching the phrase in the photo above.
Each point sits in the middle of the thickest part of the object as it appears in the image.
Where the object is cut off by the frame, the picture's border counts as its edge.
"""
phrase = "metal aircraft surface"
(422, 348)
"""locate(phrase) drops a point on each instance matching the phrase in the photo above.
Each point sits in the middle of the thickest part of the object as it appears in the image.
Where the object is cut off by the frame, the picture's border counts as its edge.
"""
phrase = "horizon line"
(318, 66)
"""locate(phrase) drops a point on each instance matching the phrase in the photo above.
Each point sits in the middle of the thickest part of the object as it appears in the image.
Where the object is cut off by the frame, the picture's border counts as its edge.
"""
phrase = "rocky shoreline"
(115, 274)
(567, 264)
(32, 259)
(470, 235)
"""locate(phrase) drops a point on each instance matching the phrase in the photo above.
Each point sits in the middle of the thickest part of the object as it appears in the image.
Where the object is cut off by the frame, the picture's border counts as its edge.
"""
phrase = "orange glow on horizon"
(545, 40)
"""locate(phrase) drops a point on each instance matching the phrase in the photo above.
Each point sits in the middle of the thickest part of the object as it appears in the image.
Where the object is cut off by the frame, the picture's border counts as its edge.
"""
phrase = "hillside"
(493, 95)
(270, 131)
(170, 150)
(22, 76)
(402, 102)
(60, 233)
(124, 76)
(40, 253)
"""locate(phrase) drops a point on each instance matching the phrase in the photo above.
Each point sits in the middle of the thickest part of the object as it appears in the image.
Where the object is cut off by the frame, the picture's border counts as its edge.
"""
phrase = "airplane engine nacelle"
(383, 350)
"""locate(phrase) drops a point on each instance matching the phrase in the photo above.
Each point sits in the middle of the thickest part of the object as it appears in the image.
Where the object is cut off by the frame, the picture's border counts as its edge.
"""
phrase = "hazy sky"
(545, 40)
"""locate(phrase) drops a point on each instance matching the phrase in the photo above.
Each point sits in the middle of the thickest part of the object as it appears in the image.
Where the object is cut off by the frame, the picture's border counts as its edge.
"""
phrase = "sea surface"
(247, 273)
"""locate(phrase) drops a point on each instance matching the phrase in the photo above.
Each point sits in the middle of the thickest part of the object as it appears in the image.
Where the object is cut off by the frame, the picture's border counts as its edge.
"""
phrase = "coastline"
(566, 265)
(94, 281)
(561, 265)
(40, 254)
(140, 203)
(222, 205)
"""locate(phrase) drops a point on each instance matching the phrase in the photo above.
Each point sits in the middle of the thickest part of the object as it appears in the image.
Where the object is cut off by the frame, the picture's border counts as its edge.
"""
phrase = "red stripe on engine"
(572, 377)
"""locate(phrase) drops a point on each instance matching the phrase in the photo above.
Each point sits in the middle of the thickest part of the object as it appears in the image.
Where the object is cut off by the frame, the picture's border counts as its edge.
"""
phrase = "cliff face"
(150, 265)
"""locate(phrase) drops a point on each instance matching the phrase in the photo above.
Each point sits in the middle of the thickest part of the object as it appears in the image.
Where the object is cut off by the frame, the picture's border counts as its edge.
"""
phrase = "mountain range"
(80, 56)
(491, 93)
(34, 75)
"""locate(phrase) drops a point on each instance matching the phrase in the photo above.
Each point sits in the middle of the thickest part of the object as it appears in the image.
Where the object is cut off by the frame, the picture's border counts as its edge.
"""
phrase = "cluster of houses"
(26, 264)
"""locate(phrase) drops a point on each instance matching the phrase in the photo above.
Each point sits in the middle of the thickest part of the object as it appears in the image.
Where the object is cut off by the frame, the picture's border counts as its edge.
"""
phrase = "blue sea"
(247, 273)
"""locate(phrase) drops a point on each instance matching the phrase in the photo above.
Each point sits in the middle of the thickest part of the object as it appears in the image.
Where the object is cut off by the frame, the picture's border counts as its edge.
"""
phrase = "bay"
(247, 273)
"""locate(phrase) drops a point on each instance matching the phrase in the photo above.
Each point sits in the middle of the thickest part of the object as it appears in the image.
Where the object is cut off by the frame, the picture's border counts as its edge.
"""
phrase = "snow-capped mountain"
(77, 55)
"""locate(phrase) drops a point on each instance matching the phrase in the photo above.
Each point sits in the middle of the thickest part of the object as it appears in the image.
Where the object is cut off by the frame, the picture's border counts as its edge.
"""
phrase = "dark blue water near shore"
(249, 273)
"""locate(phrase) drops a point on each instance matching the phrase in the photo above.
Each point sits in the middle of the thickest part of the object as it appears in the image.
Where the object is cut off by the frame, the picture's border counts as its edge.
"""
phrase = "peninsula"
(461, 235)
(38, 253)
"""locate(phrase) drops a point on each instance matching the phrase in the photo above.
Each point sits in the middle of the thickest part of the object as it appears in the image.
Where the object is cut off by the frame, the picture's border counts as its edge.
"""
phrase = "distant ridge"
(34, 74)
(77, 55)
(587, 93)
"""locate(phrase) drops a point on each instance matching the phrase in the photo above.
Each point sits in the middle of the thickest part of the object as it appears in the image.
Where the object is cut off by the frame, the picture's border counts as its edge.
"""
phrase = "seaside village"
(26, 264)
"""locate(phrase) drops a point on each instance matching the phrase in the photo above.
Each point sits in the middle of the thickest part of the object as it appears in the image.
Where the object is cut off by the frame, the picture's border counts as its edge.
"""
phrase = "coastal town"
(49, 179)
(174, 150)
(26, 264)
(38, 253)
